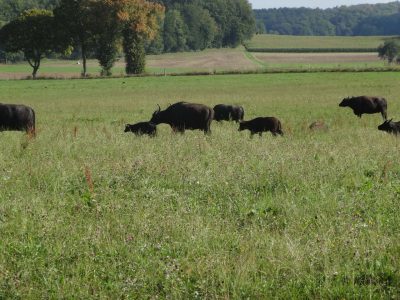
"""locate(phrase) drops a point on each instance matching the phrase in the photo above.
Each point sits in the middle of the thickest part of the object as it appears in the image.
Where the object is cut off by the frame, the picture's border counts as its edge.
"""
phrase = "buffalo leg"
(384, 115)
(30, 130)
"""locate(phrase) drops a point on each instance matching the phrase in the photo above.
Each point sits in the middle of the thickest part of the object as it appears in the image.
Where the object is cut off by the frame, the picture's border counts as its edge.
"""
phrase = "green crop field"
(87, 211)
(335, 42)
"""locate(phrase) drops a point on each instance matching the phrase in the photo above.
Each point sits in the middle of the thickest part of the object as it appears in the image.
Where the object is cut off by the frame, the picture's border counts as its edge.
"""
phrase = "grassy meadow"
(87, 211)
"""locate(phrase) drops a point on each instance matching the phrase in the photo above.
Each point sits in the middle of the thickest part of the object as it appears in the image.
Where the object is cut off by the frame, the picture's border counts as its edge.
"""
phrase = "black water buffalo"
(142, 128)
(260, 125)
(390, 127)
(183, 115)
(17, 117)
(366, 105)
(224, 112)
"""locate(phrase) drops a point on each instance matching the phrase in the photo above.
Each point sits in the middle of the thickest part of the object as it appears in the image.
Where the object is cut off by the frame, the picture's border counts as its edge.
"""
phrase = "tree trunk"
(35, 65)
(35, 69)
(83, 49)
(135, 55)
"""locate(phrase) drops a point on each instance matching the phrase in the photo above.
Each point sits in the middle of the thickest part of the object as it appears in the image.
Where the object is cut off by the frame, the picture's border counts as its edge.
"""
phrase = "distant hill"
(364, 19)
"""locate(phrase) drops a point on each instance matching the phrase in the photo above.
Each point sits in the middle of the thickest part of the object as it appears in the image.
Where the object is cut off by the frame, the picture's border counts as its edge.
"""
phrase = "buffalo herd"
(183, 116)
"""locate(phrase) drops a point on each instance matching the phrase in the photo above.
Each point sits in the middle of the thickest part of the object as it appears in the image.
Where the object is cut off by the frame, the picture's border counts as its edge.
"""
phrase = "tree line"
(201, 24)
(104, 29)
(365, 19)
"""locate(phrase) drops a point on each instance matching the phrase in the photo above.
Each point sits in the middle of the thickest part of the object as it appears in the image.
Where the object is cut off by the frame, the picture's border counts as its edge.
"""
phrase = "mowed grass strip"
(87, 211)
(272, 41)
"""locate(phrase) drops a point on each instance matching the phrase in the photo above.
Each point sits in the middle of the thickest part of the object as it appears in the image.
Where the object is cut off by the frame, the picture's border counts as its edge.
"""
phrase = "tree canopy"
(11, 9)
(192, 24)
(390, 51)
(207, 23)
(32, 33)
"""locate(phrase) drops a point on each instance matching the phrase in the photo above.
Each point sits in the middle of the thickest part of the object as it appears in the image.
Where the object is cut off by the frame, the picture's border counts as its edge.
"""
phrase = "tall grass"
(87, 211)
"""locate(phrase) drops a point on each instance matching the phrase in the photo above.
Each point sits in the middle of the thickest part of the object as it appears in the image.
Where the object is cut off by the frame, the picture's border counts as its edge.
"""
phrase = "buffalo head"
(387, 126)
(345, 102)
(156, 116)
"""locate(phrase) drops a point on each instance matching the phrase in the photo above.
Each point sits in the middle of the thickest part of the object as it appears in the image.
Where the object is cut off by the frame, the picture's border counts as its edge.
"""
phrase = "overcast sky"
(310, 3)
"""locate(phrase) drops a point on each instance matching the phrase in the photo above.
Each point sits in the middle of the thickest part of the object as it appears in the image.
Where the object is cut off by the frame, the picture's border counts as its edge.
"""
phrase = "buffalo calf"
(17, 117)
(260, 125)
(223, 112)
(142, 128)
(366, 105)
(390, 127)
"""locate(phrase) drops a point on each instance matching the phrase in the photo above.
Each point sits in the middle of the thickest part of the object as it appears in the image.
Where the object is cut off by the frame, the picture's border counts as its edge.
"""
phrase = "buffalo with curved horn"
(183, 115)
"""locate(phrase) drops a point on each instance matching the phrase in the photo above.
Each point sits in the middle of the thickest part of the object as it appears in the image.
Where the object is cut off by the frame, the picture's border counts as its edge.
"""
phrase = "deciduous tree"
(389, 51)
(139, 20)
(175, 32)
(32, 33)
(76, 20)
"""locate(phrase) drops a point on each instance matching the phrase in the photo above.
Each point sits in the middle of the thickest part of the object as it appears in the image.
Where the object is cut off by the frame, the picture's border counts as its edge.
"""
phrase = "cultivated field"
(87, 211)
(290, 42)
(212, 61)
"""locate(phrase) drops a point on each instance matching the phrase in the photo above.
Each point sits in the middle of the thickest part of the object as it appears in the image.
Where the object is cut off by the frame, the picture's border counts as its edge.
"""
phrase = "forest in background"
(364, 19)
(200, 24)
(187, 25)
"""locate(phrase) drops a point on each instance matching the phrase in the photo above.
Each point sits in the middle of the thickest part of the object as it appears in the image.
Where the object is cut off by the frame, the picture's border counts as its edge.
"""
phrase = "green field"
(291, 42)
(87, 211)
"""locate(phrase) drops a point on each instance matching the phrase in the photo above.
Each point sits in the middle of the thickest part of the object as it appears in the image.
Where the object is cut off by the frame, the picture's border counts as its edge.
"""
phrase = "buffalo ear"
(390, 120)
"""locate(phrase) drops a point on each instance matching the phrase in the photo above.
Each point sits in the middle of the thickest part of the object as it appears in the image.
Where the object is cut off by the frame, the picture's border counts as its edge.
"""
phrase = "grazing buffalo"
(183, 115)
(17, 117)
(260, 125)
(224, 112)
(142, 128)
(366, 105)
(390, 127)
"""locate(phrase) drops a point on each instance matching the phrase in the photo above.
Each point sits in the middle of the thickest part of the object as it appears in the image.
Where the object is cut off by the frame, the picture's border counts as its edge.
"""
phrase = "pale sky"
(310, 3)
